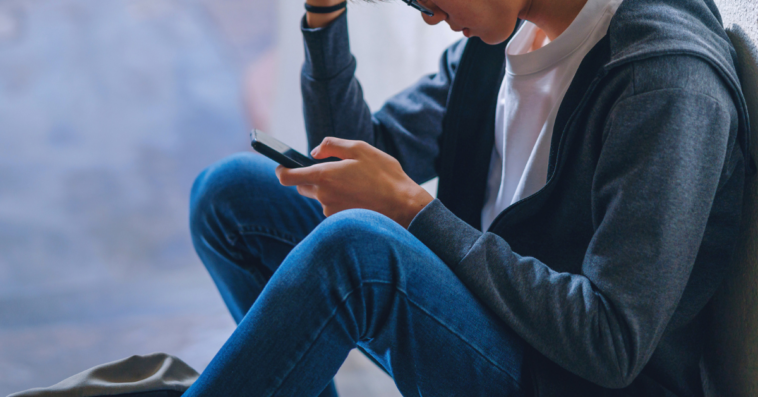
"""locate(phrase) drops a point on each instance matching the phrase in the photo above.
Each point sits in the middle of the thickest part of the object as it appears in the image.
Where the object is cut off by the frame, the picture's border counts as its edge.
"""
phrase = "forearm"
(408, 125)
(333, 102)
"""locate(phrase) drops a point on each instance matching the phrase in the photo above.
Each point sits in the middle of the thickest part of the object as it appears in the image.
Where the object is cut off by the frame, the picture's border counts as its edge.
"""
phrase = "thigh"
(440, 338)
(412, 314)
(359, 279)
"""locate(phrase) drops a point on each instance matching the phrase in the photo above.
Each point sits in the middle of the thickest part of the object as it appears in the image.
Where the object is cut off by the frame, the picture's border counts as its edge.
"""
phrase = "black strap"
(325, 10)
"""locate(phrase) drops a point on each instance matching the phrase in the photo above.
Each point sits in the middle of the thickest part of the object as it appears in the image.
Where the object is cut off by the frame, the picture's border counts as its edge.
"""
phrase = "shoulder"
(676, 87)
(686, 73)
(668, 90)
(673, 44)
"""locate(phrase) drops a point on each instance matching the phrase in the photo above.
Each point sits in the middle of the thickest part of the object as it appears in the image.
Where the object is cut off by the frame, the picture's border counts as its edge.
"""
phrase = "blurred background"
(108, 110)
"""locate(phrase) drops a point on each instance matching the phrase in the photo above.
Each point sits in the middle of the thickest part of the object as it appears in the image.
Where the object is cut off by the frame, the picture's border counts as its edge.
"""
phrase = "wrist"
(417, 200)
(318, 20)
(323, 3)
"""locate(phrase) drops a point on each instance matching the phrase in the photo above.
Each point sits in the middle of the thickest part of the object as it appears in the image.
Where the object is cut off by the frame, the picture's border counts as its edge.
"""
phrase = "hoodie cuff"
(444, 233)
(327, 49)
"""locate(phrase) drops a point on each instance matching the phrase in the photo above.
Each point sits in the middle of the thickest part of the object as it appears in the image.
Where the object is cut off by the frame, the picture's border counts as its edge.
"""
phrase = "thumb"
(336, 147)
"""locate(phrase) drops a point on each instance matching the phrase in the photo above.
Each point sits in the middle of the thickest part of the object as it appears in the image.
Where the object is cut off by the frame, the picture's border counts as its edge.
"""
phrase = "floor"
(107, 112)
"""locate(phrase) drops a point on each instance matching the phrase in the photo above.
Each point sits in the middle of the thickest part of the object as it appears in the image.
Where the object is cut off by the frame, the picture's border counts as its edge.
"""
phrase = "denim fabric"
(306, 291)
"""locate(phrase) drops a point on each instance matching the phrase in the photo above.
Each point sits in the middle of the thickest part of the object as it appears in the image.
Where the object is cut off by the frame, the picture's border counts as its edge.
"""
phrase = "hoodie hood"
(649, 28)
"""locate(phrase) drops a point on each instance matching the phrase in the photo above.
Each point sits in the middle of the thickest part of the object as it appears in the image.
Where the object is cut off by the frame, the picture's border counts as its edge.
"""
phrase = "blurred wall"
(108, 111)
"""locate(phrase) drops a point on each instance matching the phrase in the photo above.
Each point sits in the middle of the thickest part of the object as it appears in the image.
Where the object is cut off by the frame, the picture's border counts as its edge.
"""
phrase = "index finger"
(298, 176)
(340, 148)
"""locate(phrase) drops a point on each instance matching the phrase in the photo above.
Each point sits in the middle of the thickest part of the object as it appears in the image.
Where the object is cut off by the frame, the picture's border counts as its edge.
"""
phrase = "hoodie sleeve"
(655, 182)
(408, 125)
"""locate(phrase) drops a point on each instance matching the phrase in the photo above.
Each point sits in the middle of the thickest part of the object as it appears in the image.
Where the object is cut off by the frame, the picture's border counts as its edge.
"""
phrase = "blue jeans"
(305, 290)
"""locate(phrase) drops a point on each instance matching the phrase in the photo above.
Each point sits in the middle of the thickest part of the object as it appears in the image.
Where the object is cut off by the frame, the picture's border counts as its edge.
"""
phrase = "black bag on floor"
(154, 375)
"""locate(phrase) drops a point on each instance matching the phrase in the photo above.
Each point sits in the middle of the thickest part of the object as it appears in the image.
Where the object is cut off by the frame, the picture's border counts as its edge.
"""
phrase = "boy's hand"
(366, 178)
(321, 20)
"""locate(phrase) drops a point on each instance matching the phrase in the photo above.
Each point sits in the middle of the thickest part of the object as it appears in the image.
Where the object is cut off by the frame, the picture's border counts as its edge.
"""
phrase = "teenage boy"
(591, 156)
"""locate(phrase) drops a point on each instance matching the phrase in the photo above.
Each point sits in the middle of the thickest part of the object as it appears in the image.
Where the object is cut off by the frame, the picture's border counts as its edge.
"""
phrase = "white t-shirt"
(532, 90)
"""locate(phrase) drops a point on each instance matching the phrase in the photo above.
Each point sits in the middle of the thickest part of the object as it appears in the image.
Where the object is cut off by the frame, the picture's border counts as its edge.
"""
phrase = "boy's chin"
(494, 38)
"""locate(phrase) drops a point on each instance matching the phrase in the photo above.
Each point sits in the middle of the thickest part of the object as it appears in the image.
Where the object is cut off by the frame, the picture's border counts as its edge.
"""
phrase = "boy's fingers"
(340, 148)
(296, 176)
(307, 191)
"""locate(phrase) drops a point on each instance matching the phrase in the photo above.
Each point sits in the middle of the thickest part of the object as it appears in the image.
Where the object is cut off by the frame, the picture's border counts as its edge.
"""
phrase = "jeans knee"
(215, 188)
(353, 255)
(355, 226)
(355, 239)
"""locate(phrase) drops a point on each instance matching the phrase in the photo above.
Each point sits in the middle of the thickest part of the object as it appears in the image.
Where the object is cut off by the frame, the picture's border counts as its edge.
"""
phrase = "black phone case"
(290, 158)
(281, 158)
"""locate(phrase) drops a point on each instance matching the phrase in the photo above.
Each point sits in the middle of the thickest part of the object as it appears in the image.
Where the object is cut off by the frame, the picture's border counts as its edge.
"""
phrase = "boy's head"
(490, 20)
(493, 21)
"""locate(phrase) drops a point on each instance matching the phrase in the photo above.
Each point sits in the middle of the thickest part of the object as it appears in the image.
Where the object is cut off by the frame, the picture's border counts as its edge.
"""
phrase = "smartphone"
(281, 153)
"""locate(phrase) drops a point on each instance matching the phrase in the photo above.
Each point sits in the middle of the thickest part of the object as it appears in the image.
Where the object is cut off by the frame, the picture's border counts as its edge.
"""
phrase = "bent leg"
(362, 280)
(244, 223)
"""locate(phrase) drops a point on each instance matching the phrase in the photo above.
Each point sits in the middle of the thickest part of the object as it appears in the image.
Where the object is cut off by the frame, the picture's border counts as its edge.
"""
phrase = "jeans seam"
(267, 232)
(318, 334)
(407, 297)
(466, 341)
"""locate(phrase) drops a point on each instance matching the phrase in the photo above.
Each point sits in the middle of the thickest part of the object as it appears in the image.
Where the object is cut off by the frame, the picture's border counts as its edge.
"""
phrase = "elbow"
(621, 381)
(615, 379)
(620, 366)
(623, 373)
(627, 345)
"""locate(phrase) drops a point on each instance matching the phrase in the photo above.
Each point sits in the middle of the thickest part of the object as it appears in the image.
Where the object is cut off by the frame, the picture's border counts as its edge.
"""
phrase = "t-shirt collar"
(520, 62)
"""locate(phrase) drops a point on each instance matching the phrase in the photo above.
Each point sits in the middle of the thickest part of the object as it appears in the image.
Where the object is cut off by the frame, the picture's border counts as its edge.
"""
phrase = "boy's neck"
(540, 40)
(552, 16)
